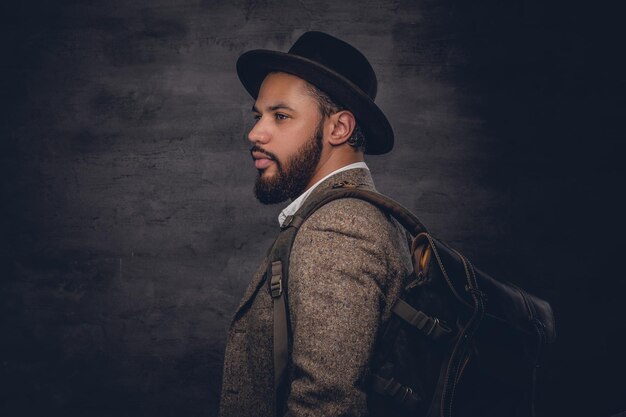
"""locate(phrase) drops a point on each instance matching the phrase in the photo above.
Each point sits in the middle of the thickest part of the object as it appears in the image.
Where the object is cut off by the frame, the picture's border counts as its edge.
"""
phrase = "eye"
(256, 117)
(281, 116)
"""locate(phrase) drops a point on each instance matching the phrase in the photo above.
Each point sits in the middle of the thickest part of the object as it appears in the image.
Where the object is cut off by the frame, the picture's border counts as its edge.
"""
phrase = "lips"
(261, 160)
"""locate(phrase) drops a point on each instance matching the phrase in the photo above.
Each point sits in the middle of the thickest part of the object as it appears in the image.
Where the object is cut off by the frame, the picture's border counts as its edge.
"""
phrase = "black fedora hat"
(336, 68)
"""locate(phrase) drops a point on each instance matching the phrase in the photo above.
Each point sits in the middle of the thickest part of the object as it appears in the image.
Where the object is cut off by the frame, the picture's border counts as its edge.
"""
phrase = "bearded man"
(315, 119)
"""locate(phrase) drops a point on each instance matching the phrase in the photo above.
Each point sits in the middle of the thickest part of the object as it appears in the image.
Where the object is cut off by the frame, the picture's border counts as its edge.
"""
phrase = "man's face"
(287, 138)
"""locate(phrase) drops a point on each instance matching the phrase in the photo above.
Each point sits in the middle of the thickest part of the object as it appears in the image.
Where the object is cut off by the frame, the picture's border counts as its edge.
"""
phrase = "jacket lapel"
(253, 286)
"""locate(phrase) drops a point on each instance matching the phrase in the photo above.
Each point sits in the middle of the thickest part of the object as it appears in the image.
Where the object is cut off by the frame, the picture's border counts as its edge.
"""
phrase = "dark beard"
(291, 179)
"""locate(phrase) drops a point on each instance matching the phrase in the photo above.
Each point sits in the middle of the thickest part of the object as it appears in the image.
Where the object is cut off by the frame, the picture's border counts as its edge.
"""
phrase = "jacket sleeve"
(344, 269)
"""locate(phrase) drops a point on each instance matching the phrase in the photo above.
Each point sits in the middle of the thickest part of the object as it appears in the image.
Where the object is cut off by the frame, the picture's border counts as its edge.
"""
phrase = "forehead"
(285, 88)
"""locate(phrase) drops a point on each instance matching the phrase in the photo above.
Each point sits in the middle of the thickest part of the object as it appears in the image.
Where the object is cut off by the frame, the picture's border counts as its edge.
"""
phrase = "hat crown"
(333, 66)
(338, 56)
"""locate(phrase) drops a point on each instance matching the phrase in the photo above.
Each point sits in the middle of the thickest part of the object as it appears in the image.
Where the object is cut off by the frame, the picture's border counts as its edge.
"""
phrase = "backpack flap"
(505, 302)
(516, 324)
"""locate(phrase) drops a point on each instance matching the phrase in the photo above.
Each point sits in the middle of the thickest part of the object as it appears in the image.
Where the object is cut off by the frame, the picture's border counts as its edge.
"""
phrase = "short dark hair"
(328, 106)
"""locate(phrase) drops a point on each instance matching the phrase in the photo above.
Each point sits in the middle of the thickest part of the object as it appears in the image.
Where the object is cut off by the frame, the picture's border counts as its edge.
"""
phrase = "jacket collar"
(295, 205)
(358, 176)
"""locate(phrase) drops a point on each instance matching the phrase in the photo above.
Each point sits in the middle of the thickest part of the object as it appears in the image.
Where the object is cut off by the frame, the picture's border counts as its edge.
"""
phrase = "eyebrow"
(278, 106)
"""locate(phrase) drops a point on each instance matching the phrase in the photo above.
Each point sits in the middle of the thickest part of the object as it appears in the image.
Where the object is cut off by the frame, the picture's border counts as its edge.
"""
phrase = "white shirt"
(297, 203)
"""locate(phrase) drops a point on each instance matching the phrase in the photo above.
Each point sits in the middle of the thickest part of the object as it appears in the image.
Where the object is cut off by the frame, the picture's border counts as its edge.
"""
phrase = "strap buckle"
(276, 282)
(433, 326)
(276, 287)
(293, 220)
(287, 222)
(397, 391)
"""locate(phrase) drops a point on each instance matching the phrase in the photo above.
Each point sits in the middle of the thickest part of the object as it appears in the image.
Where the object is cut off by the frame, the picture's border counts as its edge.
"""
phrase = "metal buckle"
(287, 222)
(435, 323)
(407, 391)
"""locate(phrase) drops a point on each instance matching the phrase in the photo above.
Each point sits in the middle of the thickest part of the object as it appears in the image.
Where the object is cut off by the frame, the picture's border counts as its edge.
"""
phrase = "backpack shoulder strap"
(342, 190)
(277, 274)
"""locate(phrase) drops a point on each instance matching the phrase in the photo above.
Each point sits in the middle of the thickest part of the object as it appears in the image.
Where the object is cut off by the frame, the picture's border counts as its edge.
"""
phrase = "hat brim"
(253, 66)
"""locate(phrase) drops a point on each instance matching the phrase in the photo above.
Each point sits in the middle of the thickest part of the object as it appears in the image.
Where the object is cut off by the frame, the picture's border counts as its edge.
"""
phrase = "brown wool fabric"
(348, 266)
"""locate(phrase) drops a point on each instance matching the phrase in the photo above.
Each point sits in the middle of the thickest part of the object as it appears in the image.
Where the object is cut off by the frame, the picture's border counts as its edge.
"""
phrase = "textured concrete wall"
(130, 229)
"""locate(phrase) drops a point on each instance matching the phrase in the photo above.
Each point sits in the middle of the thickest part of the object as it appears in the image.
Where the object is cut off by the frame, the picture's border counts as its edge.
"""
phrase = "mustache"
(257, 148)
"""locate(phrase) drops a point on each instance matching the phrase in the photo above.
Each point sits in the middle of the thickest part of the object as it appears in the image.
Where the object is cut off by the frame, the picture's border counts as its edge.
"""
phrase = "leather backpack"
(458, 344)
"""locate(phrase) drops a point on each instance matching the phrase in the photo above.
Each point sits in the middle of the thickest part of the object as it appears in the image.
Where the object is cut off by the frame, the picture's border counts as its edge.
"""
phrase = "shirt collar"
(291, 209)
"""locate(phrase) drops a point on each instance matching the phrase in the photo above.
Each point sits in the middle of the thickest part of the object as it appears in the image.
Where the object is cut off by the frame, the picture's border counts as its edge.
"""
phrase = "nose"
(258, 133)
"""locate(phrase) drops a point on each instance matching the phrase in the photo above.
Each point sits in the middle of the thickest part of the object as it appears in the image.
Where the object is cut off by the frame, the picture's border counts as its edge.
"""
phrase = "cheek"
(296, 138)
(286, 144)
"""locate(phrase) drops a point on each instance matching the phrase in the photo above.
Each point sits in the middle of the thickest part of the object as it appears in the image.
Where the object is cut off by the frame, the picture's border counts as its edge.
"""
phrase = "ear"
(343, 123)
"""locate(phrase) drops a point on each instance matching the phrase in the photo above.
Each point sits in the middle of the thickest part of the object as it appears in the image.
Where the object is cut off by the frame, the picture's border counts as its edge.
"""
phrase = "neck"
(337, 158)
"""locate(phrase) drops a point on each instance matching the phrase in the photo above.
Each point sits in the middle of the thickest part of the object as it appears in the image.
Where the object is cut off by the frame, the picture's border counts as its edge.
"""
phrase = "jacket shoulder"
(350, 236)
(357, 216)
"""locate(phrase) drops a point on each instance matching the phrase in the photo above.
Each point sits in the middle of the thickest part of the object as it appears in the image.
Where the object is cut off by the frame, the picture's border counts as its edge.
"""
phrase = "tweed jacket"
(348, 265)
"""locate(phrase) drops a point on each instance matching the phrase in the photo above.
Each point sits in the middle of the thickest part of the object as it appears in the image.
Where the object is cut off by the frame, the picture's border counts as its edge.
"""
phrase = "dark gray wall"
(130, 230)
